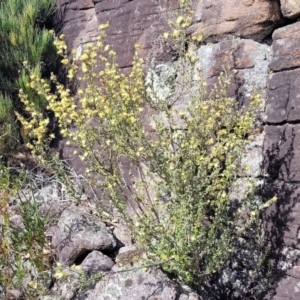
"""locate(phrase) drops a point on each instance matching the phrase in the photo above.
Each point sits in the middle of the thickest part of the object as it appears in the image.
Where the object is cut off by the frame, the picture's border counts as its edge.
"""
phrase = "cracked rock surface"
(77, 233)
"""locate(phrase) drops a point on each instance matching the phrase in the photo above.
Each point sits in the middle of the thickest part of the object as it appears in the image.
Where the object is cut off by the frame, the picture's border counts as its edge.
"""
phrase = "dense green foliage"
(22, 39)
(7, 123)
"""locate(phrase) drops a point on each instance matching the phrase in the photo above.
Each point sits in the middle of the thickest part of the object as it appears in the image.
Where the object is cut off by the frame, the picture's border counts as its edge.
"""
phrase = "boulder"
(137, 284)
(244, 18)
(96, 262)
(286, 48)
(123, 234)
(76, 234)
(290, 8)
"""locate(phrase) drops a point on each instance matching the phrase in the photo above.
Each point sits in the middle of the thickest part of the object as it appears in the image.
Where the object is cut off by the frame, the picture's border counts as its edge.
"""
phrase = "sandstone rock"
(211, 64)
(240, 190)
(239, 54)
(294, 271)
(126, 249)
(290, 8)
(253, 158)
(244, 18)
(287, 288)
(138, 284)
(193, 296)
(282, 218)
(286, 48)
(281, 159)
(123, 234)
(130, 22)
(128, 257)
(281, 146)
(143, 22)
(63, 290)
(16, 221)
(129, 285)
(77, 234)
(283, 97)
(160, 82)
(248, 57)
(96, 261)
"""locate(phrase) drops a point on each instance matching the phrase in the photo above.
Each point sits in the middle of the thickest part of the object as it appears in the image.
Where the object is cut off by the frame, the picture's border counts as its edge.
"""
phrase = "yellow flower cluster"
(198, 38)
(33, 285)
(183, 22)
(107, 98)
(36, 125)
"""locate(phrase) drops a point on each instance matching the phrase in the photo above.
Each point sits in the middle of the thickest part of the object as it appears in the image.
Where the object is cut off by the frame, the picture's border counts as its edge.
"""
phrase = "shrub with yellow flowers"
(184, 167)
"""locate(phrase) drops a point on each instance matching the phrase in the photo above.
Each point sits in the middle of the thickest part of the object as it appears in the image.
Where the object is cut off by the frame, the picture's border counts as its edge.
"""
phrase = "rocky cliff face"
(130, 22)
(265, 52)
(281, 148)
